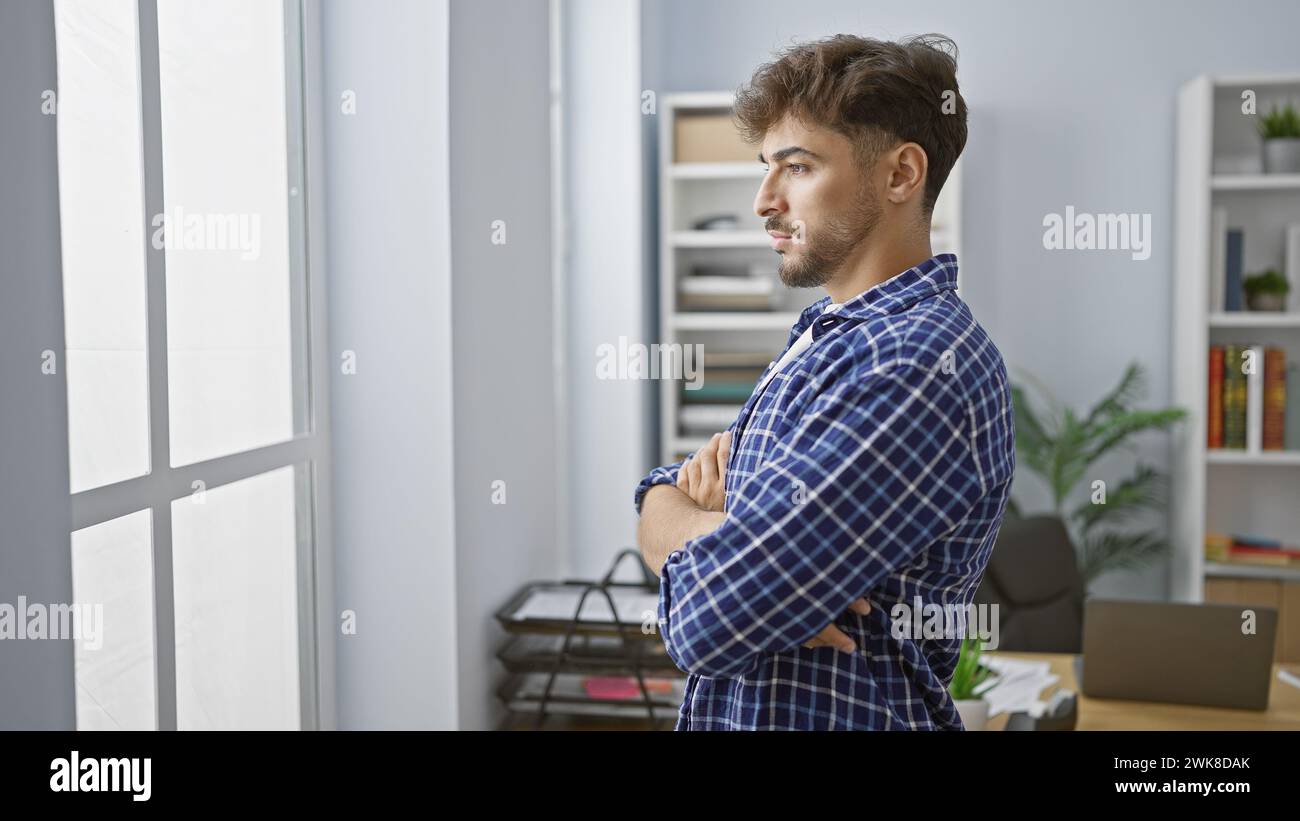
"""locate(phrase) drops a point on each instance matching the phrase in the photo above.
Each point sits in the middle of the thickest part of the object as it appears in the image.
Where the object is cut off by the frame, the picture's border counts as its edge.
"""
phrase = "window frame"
(308, 451)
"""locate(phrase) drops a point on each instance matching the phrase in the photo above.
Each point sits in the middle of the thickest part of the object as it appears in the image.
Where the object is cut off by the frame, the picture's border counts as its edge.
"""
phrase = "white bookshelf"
(690, 190)
(1227, 491)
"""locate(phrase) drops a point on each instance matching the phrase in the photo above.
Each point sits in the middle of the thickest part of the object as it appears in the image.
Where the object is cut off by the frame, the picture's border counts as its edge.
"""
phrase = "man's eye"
(797, 168)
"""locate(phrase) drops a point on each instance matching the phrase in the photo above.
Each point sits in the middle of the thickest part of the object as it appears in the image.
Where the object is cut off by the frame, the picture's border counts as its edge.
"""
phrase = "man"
(871, 466)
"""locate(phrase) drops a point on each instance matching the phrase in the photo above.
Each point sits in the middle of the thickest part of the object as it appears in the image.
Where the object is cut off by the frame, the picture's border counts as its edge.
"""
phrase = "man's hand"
(703, 478)
(704, 475)
(832, 636)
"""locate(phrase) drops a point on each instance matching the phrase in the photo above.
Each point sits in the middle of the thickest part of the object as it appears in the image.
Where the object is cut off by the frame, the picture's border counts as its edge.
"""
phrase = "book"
(726, 285)
(720, 269)
(709, 418)
(1291, 422)
(1235, 249)
(1258, 555)
(749, 375)
(1255, 399)
(1217, 546)
(1247, 540)
(1251, 550)
(718, 392)
(1274, 399)
(737, 359)
(724, 302)
(1291, 265)
(1214, 412)
(1234, 398)
(1218, 256)
(1273, 556)
(722, 293)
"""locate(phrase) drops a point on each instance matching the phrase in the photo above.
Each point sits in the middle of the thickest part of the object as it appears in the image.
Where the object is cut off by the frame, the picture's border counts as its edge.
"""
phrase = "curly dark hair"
(875, 92)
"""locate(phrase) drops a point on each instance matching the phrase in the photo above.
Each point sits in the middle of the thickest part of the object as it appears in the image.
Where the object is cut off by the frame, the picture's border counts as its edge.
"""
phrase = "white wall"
(389, 263)
(453, 334)
(609, 422)
(503, 375)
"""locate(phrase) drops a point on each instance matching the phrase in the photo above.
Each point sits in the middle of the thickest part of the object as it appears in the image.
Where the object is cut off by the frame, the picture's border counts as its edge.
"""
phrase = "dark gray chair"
(1033, 577)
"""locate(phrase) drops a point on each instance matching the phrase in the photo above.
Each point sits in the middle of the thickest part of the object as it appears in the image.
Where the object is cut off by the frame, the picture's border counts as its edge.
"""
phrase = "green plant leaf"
(1131, 387)
(968, 674)
(1105, 552)
(1033, 443)
(1069, 458)
(1145, 490)
(1120, 427)
(1279, 123)
(1060, 447)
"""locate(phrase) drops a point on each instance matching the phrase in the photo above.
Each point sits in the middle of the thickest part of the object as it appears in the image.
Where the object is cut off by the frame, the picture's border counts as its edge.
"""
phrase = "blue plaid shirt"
(877, 463)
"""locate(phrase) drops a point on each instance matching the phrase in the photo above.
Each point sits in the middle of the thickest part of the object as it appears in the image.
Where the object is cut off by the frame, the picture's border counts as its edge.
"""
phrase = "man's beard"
(836, 239)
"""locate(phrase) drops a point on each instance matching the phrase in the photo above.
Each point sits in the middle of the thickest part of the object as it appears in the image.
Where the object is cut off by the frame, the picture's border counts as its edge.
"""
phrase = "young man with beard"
(872, 464)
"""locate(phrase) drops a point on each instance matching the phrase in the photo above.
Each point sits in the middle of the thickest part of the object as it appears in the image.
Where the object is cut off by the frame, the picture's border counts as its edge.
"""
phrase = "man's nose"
(769, 200)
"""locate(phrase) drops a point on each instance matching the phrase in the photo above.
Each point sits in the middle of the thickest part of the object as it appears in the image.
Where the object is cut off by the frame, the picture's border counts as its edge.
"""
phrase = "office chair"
(1033, 577)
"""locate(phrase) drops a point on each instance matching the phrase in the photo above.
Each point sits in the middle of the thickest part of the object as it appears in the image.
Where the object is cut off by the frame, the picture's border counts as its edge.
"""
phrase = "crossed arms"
(876, 469)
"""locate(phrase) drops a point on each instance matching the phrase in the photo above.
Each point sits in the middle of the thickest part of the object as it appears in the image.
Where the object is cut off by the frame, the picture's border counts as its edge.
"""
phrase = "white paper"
(1016, 685)
(633, 608)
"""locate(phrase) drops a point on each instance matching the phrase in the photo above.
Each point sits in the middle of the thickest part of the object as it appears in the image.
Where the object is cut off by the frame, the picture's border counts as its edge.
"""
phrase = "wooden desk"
(1283, 711)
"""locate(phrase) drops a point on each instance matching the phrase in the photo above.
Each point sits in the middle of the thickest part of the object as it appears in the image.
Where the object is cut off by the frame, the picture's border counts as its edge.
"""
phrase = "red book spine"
(1274, 398)
(1214, 414)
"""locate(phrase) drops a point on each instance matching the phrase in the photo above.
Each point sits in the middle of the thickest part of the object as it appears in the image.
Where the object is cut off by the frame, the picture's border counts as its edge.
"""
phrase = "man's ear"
(908, 167)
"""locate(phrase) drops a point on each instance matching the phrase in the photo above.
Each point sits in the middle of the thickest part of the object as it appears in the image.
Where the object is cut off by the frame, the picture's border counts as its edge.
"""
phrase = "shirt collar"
(935, 275)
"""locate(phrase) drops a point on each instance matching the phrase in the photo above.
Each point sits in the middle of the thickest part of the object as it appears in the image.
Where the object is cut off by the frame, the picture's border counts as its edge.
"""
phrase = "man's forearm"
(670, 519)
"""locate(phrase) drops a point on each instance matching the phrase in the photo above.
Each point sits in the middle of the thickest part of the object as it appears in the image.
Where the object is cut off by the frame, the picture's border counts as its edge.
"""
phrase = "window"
(197, 462)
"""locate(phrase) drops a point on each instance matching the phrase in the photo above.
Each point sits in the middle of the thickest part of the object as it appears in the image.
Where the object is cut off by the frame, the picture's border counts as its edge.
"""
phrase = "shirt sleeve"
(876, 469)
(665, 475)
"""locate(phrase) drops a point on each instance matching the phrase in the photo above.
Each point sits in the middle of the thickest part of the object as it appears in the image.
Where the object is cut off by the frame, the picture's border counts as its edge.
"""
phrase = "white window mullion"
(100, 504)
(159, 437)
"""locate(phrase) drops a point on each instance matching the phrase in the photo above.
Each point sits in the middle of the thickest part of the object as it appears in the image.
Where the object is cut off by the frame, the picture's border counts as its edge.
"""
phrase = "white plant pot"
(1266, 302)
(974, 712)
(1282, 155)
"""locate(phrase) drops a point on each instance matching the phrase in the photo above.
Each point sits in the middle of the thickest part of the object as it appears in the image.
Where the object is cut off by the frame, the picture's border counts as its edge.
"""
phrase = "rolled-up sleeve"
(664, 475)
(876, 469)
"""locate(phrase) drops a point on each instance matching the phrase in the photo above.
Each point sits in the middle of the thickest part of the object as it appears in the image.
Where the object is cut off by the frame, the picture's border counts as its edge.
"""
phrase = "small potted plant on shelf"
(973, 709)
(1266, 291)
(1280, 129)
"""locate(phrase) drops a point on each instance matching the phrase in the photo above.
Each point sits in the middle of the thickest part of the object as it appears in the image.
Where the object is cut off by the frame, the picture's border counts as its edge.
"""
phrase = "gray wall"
(502, 304)
(609, 421)
(1071, 104)
(36, 685)
(390, 302)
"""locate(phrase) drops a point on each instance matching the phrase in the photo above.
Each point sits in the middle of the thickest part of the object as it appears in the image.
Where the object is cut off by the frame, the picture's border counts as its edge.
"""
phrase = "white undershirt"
(804, 340)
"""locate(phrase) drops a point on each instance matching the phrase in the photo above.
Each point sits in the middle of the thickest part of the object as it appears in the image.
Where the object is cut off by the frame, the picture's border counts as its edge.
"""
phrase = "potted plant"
(1280, 130)
(973, 709)
(1266, 291)
(1063, 448)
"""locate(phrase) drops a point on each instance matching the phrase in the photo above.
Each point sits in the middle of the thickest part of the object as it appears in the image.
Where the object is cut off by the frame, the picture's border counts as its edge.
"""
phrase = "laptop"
(1178, 653)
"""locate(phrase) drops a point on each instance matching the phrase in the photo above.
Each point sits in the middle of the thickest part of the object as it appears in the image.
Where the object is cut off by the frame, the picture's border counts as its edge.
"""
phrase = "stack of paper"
(1015, 684)
(633, 607)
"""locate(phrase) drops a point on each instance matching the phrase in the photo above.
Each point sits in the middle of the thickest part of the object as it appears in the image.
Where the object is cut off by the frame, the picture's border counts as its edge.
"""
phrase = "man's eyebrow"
(788, 152)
